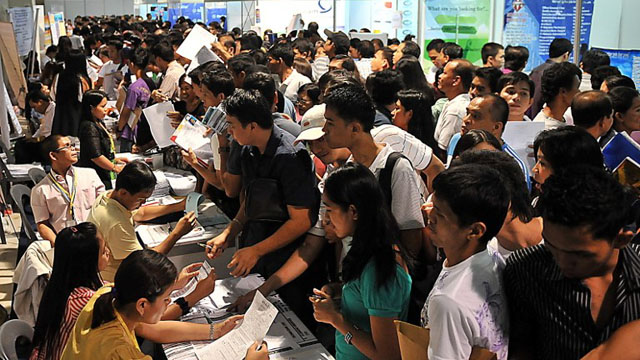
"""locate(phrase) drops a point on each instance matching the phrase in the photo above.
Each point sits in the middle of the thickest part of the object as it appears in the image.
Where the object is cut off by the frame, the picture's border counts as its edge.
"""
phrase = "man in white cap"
(313, 135)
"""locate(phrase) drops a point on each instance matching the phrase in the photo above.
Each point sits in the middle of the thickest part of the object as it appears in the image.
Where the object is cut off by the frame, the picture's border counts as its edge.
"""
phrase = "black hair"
(383, 86)
(354, 43)
(313, 92)
(304, 46)
(250, 41)
(452, 50)
(116, 44)
(198, 73)
(259, 56)
(465, 70)
(589, 107)
(302, 66)
(283, 52)
(140, 58)
(515, 77)
(421, 124)
(240, 63)
(475, 193)
(37, 95)
(411, 48)
(388, 54)
(219, 82)
(143, 274)
(49, 144)
(559, 46)
(64, 47)
(600, 73)
(586, 196)
(136, 177)
(366, 49)
(376, 231)
(250, 106)
(622, 98)
(393, 41)
(352, 103)
(614, 81)
(435, 44)
(91, 99)
(474, 137)
(490, 49)
(378, 42)
(568, 145)
(263, 82)
(51, 48)
(515, 57)
(329, 76)
(512, 175)
(594, 58)
(491, 74)
(412, 74)
(164, 51)
(558, 76)
(75, 264)
(69, 80)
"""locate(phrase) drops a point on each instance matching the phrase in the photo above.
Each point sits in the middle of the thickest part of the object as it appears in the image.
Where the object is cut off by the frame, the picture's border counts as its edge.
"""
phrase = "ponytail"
(143, 274)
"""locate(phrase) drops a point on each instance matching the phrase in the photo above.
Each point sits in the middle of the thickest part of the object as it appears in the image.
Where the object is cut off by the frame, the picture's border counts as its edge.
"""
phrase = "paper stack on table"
(254, 327)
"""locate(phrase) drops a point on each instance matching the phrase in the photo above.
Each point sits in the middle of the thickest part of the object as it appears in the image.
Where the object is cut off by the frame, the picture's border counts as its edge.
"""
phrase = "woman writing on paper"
(376, 283)
(138, 97)
(97, 146)
(134, 305)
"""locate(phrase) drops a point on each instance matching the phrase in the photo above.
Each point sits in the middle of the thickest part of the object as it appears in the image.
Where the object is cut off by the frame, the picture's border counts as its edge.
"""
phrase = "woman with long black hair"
(413, 115)
(71, 83)
(376, 283)
(80, 254)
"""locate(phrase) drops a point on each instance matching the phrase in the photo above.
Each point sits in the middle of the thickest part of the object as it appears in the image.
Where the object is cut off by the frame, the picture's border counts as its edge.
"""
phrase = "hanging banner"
(627, 61)
(465, 22)
(535, 23)
(57, 27)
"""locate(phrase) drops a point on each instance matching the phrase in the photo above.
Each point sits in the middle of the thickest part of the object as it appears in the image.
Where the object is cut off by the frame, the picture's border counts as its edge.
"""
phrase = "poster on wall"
(408, 10)
(465, 22)
(22, 20)
(535, 23)
(57, 26)
(627, 61)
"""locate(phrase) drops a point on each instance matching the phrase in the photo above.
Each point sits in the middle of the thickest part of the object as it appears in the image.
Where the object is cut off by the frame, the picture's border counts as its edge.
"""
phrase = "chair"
(36, 174)
(10, 332)
(18, 192)
(414, 343)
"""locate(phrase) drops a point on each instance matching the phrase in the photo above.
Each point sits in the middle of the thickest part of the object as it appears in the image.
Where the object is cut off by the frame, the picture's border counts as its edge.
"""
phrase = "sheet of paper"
(197, 38)
(619, 148)
(203, 272)
(254, 327)
(520, 136)
(191, 134)
(160, 123)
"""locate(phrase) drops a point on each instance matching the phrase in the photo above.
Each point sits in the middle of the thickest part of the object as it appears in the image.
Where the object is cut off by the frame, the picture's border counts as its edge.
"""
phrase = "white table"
(288, 337)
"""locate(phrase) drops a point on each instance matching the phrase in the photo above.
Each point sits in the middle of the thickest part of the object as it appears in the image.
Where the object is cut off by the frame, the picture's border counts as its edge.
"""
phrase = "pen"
(204, 245)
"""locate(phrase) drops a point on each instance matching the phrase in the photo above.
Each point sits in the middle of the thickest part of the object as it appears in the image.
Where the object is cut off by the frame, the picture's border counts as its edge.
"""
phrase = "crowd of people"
(385, 190)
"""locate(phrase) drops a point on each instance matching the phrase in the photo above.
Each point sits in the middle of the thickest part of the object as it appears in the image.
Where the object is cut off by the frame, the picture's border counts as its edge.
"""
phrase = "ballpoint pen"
(204, 245)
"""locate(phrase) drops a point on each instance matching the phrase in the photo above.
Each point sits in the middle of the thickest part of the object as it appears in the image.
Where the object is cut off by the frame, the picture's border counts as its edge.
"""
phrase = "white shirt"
(290, 85)
(499, 253)
(431, 75)
(364, 67)
(467, 307)
(45, 126)
(406, 197)
(450, 120)
(112, 77)
(411, 147)
(549, 122)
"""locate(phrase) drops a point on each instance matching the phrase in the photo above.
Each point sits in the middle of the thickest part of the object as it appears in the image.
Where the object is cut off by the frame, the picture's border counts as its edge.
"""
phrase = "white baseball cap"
(311, 124)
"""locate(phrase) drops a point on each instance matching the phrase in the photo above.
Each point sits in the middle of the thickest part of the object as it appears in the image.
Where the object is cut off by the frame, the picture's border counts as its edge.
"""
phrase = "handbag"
(264, 201)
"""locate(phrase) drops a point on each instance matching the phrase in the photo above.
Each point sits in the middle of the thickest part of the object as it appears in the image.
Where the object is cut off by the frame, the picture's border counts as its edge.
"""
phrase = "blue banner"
(535, 23)
(627, 61)
(215, 13)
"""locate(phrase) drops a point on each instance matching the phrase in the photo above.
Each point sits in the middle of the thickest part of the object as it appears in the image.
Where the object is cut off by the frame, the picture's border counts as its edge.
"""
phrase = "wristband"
(183, 305)
(211, 331)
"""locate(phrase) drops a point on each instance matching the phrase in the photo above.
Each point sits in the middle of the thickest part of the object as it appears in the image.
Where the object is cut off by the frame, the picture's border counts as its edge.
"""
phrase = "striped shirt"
(525, 169)
(553, 313)
(78, 298)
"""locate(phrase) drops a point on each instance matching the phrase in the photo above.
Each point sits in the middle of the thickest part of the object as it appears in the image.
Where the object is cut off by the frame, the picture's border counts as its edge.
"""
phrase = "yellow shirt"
(115, 223)
(110, 341)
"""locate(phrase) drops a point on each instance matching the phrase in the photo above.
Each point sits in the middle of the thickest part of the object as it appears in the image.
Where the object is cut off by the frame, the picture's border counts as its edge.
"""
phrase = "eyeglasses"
(71, 146)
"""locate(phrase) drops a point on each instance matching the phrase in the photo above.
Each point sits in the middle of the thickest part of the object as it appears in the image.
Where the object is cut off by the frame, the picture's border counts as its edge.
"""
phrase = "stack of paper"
(192, 134)
(162, 188)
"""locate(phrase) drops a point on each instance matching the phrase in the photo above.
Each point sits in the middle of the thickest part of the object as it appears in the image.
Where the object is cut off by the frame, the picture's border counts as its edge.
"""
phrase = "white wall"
(73, 8)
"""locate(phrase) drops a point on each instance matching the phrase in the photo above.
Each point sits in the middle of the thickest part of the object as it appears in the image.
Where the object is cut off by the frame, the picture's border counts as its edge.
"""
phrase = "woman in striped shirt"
(80, 254)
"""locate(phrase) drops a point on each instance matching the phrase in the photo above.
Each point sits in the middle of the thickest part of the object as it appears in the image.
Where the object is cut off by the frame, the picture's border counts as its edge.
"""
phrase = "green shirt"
(361, 298)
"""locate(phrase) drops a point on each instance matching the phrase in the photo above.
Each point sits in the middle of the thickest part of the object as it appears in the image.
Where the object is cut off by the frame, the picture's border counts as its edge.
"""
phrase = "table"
(288, 337)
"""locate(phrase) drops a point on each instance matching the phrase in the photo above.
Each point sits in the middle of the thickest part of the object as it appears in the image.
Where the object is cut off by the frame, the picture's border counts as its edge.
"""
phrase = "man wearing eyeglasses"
(65, 196)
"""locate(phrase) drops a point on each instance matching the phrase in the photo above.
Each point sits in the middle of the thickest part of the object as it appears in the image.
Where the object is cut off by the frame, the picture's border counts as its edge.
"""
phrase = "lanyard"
(112, 174)
(68, 197)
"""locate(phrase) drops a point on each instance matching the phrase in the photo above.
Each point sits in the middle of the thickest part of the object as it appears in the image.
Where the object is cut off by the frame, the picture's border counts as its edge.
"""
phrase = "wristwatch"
(348, 337)
(183, 305)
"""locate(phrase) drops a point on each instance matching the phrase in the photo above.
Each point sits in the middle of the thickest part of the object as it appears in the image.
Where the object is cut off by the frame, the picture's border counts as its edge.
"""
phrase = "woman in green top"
(376, 284)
